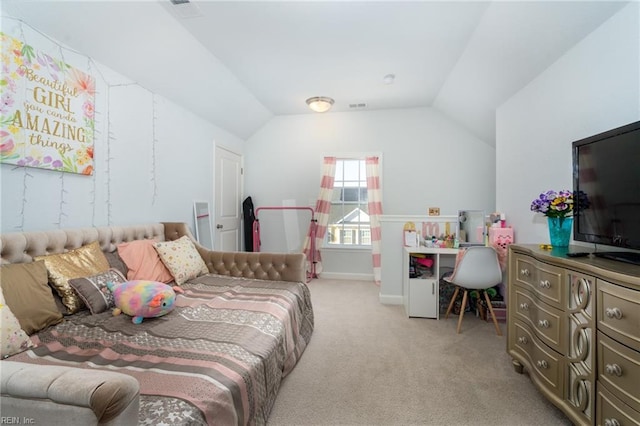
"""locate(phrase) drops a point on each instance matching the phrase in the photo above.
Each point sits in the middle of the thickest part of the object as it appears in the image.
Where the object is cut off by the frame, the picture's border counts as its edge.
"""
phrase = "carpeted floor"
(368, 364)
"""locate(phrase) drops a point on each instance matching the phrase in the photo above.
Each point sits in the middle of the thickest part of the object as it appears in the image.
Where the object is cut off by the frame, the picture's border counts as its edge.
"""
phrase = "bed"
(218, 358)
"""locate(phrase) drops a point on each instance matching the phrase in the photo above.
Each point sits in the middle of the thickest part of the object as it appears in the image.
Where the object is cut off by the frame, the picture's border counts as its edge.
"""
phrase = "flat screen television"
(606, 185)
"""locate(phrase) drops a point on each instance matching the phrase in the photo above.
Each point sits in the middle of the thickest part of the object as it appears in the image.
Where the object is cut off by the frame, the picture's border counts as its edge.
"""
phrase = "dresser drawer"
(619, 370)
(545, 320)
(547, 365)
(619, 313)
(525, 269)
(613, 412)
(549, 284)
(543, 279)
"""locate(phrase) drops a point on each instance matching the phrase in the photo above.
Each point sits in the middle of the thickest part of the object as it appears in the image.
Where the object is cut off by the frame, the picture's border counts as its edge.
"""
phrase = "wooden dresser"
(574, 325)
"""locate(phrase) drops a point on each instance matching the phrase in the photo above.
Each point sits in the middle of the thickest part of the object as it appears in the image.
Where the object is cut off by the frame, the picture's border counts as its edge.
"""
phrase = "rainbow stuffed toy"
(143, 299)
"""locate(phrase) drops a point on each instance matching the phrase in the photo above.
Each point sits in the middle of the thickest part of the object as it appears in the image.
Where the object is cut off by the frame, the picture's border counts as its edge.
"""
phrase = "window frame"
(364, 232)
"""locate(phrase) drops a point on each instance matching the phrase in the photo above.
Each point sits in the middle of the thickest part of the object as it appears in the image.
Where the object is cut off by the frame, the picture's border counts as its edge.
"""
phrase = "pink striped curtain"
(375, 211)
(323, 208)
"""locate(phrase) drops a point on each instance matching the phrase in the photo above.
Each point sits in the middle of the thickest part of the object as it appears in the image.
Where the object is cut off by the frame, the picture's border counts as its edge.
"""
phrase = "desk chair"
(478, 269)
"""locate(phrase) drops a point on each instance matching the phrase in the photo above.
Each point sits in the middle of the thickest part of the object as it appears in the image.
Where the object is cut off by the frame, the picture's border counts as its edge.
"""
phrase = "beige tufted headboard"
(22, 247)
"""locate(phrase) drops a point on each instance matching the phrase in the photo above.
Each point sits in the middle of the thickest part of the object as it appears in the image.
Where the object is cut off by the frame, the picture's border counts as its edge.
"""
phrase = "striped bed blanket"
(219, 357)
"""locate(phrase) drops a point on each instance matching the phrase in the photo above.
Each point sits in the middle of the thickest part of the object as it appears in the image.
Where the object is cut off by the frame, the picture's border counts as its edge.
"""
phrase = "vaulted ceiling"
(239, 63)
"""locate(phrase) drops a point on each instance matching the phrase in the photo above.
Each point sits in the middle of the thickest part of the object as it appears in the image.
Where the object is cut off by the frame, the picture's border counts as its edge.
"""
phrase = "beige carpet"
(368, 364)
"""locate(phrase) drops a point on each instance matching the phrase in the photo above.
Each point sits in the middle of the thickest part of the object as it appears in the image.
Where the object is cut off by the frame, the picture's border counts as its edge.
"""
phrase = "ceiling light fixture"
(389, 78)
(320, 103)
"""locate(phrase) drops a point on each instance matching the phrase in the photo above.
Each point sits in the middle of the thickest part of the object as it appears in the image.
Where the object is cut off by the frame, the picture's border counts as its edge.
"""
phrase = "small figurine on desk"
(410, 235)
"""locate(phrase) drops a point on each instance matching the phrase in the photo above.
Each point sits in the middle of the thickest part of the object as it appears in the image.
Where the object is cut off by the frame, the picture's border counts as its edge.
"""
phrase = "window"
(349, 224)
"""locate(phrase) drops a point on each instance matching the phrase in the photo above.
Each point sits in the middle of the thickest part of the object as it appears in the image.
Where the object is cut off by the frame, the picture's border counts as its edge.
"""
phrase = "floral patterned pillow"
(181, 259)
(12, 338)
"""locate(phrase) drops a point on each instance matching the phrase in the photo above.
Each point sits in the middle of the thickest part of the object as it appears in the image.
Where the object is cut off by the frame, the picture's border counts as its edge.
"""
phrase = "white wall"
(593, 88)
(152, 158)
(427, 160)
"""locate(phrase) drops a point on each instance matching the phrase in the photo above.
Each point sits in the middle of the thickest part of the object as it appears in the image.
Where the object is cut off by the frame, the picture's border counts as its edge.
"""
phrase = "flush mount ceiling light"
(389, 78)
(320, 103)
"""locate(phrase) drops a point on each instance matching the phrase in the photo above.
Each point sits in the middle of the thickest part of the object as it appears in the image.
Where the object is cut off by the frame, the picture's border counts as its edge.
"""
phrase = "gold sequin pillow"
(181, 259)
(81, 262)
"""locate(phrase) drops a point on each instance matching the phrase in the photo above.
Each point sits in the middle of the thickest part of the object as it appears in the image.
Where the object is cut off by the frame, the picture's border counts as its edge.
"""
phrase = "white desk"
(421, 295)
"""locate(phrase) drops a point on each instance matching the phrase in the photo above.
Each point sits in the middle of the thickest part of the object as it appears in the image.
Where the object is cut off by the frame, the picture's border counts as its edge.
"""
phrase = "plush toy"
(143, 299)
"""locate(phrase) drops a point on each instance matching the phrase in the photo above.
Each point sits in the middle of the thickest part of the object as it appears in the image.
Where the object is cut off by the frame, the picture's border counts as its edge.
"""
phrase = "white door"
(228, 209)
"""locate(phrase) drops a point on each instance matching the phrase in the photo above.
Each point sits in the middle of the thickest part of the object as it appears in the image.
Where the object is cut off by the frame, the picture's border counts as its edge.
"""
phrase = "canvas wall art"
(46, 111)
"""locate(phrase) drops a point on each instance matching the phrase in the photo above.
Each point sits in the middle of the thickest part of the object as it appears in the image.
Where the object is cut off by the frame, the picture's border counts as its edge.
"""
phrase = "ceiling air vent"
(358, 106)
(184, 9)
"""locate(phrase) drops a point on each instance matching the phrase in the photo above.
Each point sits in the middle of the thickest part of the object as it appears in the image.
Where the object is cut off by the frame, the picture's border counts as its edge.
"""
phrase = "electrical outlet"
(434, 211)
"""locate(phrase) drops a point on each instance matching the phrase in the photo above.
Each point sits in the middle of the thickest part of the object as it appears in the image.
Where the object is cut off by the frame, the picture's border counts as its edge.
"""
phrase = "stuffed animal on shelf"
(143, 299)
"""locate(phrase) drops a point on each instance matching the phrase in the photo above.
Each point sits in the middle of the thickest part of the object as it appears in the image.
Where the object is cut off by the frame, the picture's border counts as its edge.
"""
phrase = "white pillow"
(181, 259)
(13, 339)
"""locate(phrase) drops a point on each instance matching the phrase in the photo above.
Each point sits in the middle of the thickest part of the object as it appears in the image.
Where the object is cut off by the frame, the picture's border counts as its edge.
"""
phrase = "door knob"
(218, 226)
(544, 324)
(613, 313)
(545, 284)
(613, 370)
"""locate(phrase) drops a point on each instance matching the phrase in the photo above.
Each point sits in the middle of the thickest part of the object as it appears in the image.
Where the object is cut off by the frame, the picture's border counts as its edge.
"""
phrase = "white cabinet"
(422, 298)
(421, 295)
(392, 249)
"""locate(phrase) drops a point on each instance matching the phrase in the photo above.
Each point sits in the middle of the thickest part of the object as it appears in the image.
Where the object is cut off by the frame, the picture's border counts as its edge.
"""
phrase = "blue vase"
(560, 231)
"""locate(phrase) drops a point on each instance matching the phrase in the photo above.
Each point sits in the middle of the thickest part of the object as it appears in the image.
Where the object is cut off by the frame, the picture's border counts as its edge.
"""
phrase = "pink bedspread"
(224, 349)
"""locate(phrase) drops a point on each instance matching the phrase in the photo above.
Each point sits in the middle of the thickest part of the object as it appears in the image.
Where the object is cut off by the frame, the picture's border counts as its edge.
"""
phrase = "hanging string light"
(108, 140)
(153, 151)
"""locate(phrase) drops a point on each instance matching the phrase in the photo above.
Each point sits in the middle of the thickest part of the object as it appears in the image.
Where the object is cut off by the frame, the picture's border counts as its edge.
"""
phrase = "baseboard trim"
(388, 299)
(385, 299)
(346, 276)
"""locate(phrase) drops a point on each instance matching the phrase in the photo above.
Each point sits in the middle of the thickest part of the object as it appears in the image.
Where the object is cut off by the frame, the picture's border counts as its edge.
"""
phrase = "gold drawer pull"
(613, 313)
(524, 306)
(523, 340)
(525, 272)
(544, 324)
(611, 422)
(545, 284)
(543, 364)
(613, 370)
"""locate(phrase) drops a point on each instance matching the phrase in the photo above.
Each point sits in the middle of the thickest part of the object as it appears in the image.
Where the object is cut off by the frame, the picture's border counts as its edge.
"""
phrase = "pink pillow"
(143, 261)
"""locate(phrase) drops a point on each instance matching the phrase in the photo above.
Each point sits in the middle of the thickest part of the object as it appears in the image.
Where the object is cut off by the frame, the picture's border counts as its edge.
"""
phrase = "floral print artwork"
(47, 111)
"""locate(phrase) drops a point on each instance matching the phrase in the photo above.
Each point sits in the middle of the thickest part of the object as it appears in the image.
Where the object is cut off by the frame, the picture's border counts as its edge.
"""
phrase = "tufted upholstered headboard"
(22, 247)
